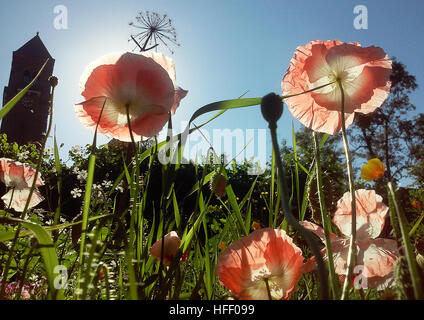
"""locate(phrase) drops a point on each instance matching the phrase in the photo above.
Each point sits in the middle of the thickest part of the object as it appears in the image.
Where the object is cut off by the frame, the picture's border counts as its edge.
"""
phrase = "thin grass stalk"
(351, 261)
(296, 172)
(325, 221)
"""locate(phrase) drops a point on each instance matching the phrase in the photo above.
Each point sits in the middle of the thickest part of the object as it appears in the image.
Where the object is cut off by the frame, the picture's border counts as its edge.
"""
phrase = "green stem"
(322, 272)
(351, 261)
(325, 221)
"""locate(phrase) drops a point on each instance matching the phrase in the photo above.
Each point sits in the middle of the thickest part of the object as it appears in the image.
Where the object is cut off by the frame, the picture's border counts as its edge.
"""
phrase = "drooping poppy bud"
(272, 107)
(218, 184)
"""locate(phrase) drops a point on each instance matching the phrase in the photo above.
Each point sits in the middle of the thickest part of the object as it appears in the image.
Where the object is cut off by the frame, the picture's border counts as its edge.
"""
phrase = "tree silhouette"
(386, 133)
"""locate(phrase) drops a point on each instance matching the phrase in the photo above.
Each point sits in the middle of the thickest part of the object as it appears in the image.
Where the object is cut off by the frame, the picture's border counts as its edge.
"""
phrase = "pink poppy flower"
(144, 82)
(171, 245)
(376, 255)
(19, 178)
(264, 255)
(363, 72)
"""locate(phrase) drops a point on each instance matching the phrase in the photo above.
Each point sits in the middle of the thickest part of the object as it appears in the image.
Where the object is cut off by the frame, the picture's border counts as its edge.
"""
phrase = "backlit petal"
(265, 253)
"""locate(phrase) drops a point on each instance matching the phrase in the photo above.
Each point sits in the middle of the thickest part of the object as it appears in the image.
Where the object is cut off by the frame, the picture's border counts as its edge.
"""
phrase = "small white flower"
(107, 184)
(120, 186)
(76, 193)
(82, 175)
(22, 156)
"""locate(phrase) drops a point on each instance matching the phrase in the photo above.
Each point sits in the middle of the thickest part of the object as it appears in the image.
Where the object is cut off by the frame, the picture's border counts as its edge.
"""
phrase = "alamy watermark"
(60, 21)
(360, 22)
(61, 280)
(208, 147)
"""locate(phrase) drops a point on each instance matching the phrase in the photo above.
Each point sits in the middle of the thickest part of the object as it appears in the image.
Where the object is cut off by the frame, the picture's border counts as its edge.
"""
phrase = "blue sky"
(227, 47)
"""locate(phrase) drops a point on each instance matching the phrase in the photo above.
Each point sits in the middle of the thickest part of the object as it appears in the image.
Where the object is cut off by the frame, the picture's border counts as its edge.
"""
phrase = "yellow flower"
(373, 170)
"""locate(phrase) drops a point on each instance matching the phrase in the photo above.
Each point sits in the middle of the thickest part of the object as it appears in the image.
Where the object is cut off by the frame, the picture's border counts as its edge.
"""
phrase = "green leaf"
(8, 235)
(8, 106)
(236, 208)
(416, 225)
(176, 210)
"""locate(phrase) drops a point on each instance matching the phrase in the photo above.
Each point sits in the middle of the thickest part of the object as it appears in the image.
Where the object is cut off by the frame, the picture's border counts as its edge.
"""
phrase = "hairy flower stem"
(351, 261)
(34, 182)
(409, 251)
(322, 272)
(134, 191)
(335, 286)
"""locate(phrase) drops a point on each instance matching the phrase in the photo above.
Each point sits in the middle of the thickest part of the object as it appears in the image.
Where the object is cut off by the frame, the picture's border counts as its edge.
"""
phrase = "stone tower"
(27, 121)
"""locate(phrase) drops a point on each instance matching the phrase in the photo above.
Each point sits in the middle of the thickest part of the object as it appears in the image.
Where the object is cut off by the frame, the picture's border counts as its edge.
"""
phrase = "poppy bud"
(272, 107)
(256, 225)
(218, 184)
(53, 81)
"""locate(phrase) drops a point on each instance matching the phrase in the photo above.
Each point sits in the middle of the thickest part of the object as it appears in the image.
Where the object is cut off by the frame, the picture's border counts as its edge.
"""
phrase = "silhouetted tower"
(27, 121)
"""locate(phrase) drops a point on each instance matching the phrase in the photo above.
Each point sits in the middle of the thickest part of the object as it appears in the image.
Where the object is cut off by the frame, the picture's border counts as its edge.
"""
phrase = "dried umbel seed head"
(218, 184)
(53, 81)
(272, 107)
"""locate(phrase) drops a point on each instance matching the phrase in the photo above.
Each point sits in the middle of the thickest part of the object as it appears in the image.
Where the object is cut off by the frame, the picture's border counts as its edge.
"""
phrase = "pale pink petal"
(18, 175)
(378, 256)
(363, 72)
(171, 245)
(370, 214)
(266, 252)
(164, 61)
(128, 81)
(102, 70)
(17, 199)
(115, 124)
(317, 230)
(178, 96)
(340, 250)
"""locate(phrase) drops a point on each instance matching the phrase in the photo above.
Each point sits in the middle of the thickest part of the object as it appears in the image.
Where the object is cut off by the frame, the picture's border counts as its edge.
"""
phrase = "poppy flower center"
(263, 280)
